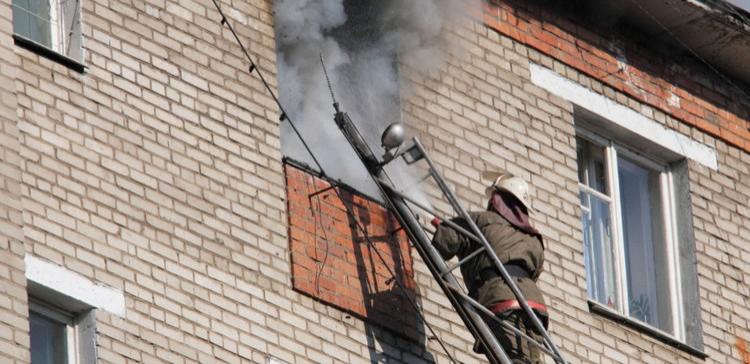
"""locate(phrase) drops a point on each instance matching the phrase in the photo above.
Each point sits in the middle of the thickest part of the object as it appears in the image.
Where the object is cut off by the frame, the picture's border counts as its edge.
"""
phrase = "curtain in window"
(645, 246)
(599, 254)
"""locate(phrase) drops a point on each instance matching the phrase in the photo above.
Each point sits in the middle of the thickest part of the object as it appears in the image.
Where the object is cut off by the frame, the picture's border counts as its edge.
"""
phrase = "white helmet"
(509, 183)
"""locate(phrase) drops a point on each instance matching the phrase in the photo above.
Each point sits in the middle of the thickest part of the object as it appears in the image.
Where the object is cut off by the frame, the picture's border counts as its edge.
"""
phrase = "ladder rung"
(434, 213)
(463, 231)
(462, 261)
(468, 309)
(505, 325)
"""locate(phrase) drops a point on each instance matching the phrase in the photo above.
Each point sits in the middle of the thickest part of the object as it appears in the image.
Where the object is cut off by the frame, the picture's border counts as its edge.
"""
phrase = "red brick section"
(714, 106)
(333, 262)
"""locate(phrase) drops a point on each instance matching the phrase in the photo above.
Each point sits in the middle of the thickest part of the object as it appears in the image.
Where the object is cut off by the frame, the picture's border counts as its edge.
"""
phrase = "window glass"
(592, 168)
(599, 251)
(52, 24)
(644, 243)
(33, 19)
(48, 340)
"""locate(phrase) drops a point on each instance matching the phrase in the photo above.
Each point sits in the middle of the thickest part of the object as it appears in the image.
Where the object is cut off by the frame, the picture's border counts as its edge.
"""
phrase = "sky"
(745, 4)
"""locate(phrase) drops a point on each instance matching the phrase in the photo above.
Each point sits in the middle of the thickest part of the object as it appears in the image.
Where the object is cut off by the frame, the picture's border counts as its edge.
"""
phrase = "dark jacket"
(511, 245)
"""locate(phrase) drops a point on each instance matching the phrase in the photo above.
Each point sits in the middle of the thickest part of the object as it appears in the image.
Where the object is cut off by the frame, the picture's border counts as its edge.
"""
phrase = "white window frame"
(666, 181)
(57, 33)
(63, 317)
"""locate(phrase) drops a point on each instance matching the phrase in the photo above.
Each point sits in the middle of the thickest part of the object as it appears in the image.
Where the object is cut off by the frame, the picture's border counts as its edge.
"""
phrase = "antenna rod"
(328, 81)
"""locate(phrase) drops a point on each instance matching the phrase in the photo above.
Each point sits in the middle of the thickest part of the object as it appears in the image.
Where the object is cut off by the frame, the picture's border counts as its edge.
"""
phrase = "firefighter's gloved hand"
(436, 221)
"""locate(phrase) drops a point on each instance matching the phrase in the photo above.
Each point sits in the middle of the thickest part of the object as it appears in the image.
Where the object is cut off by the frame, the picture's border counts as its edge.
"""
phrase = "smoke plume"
(362, 43)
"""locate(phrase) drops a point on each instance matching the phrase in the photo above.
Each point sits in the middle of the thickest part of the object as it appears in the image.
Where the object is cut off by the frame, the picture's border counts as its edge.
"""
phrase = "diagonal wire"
(284, 115)
(322, 263)
(254, 67)
(72, 25)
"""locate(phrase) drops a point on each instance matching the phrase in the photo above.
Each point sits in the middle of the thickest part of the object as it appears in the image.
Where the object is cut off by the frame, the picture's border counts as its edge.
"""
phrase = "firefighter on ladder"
(519, 246)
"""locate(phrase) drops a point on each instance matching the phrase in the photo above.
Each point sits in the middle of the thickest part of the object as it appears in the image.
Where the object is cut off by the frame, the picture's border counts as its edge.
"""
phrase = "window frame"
(613, 149)
(62, 317)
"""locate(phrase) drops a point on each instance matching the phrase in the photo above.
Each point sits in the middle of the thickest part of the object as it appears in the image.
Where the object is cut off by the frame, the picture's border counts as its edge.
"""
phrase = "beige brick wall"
(721, 217)
(14, 326)
(158, 172)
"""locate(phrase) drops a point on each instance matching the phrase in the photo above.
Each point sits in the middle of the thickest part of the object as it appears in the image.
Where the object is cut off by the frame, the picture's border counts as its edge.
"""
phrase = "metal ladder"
(470, 311)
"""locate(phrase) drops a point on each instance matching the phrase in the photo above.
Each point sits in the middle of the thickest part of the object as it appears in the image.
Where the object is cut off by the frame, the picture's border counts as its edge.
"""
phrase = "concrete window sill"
(48, 53)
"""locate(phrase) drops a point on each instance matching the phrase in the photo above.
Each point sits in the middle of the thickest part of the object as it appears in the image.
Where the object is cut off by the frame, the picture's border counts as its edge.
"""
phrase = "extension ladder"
(470, 311)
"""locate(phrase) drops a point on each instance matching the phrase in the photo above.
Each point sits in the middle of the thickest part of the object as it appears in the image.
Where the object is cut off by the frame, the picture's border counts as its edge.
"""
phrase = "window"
(53, 338)
(64, 333)
(62, 311)
(49, 25)
(630, 233)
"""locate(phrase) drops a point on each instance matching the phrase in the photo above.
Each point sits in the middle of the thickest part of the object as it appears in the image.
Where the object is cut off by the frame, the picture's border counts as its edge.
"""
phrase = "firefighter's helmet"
(511, 184)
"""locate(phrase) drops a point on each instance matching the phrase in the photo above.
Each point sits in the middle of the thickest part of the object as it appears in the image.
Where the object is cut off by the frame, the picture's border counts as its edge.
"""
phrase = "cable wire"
(254, 67)
(285, 116)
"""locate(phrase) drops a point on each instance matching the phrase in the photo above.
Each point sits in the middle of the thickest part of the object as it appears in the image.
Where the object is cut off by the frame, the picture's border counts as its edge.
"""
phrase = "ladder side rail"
(476, 325)
(506, 325)
(453, 267)
(490, 252)
(449, 223)
(453, 225)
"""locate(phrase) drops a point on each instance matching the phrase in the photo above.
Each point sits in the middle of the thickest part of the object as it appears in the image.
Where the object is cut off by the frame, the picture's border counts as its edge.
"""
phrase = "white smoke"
(361, 41)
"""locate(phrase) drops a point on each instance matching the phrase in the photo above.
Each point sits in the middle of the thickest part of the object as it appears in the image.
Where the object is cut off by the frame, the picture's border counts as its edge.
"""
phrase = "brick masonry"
(483, 113)
(350, 252)
(696, 99)
(158, 172)
(14, 326)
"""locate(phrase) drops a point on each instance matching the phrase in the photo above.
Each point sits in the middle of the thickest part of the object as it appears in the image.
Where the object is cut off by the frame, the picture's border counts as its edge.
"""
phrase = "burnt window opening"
(364, 44)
